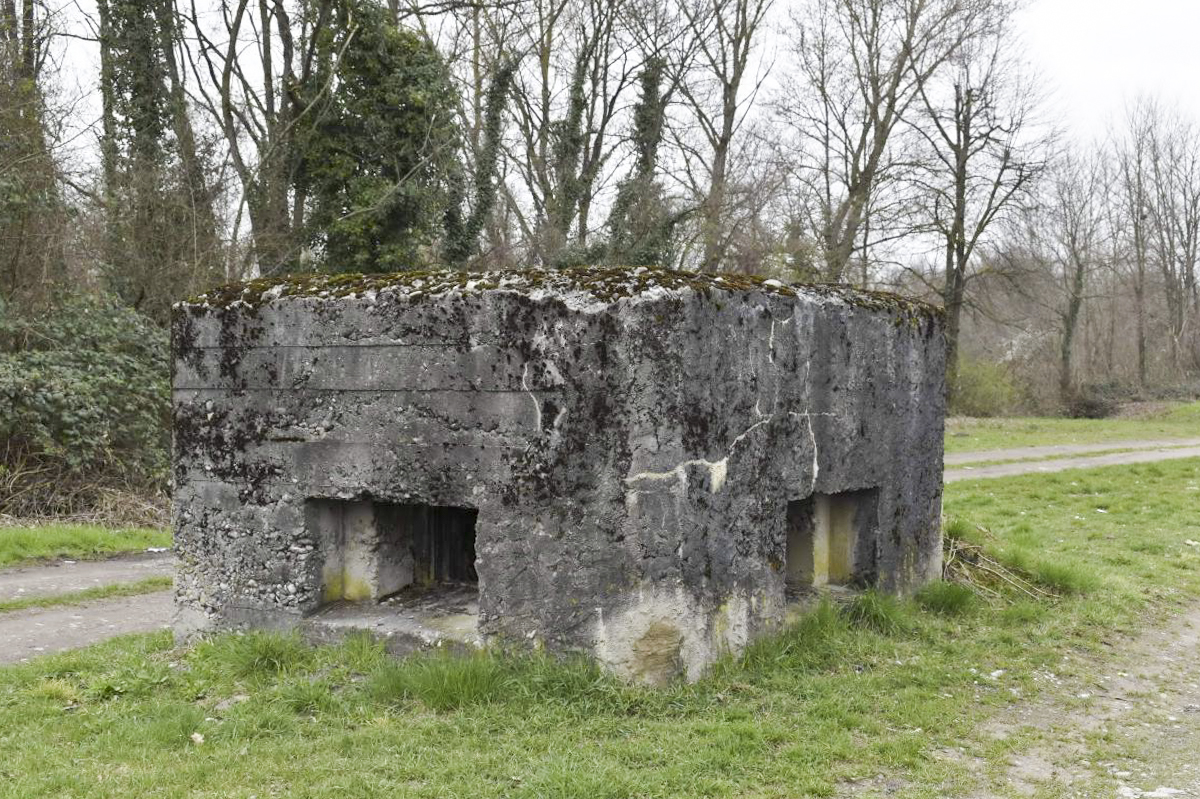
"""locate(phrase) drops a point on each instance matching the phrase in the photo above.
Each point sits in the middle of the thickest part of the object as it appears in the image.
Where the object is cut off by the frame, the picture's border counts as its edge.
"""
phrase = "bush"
(983, 389)
(84, 404)
(1097, 401)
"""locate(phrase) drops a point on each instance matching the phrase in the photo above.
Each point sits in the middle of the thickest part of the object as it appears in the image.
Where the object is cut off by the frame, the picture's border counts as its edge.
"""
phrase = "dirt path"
(67, 576)
(1130, 728)
(1063, 450)
(29, 633)
(1085, 462)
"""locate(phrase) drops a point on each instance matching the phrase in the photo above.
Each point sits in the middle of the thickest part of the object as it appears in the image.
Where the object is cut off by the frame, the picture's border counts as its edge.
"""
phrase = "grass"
(146, 586)
(970, 435)
(75, 541)
(844, 694)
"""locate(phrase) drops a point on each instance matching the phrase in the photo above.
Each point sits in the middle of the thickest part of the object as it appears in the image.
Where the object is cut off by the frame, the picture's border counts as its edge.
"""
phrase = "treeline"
(884, 143)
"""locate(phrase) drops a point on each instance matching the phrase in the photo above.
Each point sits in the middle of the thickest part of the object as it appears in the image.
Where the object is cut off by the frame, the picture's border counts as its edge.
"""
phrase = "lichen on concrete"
(629, 441)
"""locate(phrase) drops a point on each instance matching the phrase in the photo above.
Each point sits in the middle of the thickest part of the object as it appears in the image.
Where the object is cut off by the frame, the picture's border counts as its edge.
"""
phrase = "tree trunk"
(1066, 383)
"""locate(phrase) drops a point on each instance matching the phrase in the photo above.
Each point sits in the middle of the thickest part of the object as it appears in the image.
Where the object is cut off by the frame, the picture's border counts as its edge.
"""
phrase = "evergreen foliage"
(84, 403)
(462, 235)
(160, 229)
(377, 157)
(641, 226)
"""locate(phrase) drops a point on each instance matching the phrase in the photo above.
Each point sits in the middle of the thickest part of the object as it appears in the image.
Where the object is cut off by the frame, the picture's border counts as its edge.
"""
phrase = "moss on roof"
(604, 283)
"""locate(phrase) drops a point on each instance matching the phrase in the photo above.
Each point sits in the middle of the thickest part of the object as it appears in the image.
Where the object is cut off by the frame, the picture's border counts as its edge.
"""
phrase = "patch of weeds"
(562, 778)
(577, 683)
(817, 640)
(255, 655)
(1064, 577)
(441, 681)
(140, 680)
(359, 652)
(56, 690)
(948, 599)
(882, 613)
(307, 696)
(171, 725)
(959, 528)
(254, 720)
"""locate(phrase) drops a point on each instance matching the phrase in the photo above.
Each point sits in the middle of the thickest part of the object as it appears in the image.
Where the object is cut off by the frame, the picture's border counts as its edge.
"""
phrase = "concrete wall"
(631, 446)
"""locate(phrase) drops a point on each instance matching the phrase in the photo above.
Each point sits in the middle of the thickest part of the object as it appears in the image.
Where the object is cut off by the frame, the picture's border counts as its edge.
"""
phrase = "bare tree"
(861, 65)
(1134, 209)
(578, 62)
(1175, 213)
(983, 161)
(719, 92)
(255, 73)
(1068, 234)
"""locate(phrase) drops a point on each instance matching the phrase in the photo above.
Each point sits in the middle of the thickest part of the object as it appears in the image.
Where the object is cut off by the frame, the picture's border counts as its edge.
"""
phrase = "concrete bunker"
(643, 465)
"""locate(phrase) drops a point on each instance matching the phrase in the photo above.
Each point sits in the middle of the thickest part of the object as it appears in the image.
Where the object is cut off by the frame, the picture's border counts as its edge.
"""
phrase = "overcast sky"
(1096, 55)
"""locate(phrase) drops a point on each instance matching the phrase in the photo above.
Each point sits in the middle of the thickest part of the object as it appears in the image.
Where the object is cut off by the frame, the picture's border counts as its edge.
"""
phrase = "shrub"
(84, 404)
(983, 389)
(1097, 401)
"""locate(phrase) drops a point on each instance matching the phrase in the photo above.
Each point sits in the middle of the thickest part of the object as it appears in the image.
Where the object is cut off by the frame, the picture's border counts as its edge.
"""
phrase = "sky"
(1097, 55)
(1094, 57)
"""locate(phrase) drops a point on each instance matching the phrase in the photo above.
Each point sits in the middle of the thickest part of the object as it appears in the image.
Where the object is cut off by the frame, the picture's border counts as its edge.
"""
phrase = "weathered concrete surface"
(630, 440)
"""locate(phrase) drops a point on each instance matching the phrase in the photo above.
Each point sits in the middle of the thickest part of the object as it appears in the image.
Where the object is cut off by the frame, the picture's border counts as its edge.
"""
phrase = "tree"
(1134, 210)
(716, 94)
(861, 65)
(568, 99)
(983, 162)
(32, 213)
(1069, 236)
(1174, 168)
(462, 233)
(640, 225)
(256, 76)
(154, 179)
(339, 124)
(376, 162)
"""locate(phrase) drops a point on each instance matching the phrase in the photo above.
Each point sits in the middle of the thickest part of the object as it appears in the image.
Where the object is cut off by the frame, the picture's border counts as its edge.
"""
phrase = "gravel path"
(1063, 450)
(68, 576)
(29, 633)
(1086, 462)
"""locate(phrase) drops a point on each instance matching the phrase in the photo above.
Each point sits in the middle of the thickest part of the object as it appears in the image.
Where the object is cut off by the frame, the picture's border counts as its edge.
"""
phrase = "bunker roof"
(603, 284)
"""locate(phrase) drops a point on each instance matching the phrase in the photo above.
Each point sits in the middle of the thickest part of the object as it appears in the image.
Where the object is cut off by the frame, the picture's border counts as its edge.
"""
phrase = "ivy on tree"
(379, 150)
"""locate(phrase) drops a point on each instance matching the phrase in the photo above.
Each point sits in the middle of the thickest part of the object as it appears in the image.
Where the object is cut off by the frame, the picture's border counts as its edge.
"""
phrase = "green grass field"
(843, 695)
(76, 541)
(969, 435)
